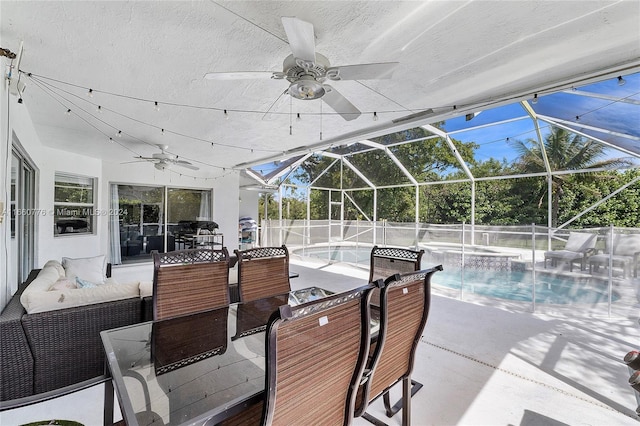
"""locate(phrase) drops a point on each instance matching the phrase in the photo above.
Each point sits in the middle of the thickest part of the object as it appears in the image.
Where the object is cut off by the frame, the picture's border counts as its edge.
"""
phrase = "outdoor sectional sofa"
(46, 351)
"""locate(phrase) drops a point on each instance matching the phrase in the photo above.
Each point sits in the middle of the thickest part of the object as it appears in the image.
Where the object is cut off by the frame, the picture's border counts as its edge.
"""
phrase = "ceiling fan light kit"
(306, 71)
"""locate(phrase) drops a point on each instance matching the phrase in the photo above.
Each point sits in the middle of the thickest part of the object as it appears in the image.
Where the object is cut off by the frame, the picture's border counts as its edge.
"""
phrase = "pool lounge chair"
(579, 246)
(625, 255)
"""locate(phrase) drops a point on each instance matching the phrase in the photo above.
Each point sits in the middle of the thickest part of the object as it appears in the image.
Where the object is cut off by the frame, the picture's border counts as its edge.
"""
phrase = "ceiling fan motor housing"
(306, 77)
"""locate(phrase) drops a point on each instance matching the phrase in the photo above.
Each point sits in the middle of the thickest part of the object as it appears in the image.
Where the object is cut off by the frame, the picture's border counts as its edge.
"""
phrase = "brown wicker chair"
(189, 281)
(262, 272)
(403, 314)
(316, 353)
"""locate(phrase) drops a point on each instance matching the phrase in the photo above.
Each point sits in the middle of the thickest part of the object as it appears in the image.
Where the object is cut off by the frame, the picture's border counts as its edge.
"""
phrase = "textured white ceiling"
(462, 53)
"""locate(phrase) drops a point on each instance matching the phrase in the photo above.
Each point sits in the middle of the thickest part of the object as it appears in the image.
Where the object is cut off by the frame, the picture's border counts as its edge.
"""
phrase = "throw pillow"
(92, 269)
(84, 283)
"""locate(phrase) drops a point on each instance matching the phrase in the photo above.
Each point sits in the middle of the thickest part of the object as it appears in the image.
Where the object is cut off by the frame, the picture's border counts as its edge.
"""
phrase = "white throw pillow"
(91, 269)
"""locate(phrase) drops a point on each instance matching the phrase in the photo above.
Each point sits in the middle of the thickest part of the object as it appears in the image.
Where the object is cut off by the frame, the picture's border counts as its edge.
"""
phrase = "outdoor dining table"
(198, 368)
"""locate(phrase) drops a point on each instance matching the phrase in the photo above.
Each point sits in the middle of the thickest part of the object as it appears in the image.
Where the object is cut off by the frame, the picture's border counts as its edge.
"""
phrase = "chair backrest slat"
(387, 261)
(405, 303)
(263, 272)
(316, 354)
(189, 281)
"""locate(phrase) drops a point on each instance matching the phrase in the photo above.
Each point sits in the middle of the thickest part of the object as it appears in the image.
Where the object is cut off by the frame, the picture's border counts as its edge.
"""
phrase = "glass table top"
(186, 370)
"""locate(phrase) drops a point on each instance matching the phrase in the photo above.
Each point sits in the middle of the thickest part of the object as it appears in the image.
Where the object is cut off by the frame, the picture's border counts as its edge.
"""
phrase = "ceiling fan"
(163, 160)
(306, 70)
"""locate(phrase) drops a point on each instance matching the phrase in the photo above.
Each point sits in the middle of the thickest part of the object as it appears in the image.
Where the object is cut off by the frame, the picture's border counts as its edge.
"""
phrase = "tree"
(565, 151)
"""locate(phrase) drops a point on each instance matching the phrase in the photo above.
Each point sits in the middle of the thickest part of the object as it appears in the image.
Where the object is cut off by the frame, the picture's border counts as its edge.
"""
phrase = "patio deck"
(480, 364)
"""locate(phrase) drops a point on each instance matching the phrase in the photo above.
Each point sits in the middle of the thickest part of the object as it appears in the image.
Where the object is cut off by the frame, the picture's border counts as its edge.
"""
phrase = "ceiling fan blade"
(240, 75)
(340, 104)
(362, 71)
(301, 38)
(186, 164)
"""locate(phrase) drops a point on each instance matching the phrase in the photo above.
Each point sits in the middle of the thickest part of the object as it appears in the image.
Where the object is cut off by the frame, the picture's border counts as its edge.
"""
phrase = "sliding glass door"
(153, 218)
(22, 219)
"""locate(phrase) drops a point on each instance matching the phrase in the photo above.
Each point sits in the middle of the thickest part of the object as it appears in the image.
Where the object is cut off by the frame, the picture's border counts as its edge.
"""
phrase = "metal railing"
(505, 263)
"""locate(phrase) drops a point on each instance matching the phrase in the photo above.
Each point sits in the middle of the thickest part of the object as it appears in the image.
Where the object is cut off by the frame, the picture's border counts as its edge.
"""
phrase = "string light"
(535, 99)
(68, 111)
(20, 100)
(577, 118)
(156, 106)
(111, 140)
(90, 93)
(162, 132)
(99, 109)
(226, 115)
(119, 133)
(621, 81)
(298, 118)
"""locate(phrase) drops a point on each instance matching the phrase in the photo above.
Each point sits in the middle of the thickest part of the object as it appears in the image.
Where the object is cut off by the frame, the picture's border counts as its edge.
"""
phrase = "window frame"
(68, 206)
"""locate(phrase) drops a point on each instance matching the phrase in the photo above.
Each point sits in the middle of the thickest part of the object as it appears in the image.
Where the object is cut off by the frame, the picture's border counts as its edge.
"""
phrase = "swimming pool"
(518, 285)
(502, 284)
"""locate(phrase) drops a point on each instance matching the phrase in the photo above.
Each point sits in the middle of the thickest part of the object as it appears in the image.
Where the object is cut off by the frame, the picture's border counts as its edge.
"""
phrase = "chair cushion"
(626, 245)
(580, 241)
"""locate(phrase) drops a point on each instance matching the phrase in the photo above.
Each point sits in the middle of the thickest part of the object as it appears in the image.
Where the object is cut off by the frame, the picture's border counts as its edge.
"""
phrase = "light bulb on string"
(535, 99)
(68, 112)
(375, 116)
(156, 106)
(119, 133)
(99, 109)
(162, 132)
(226, 115)
(298, 118)
(90, 93)
(621, 81)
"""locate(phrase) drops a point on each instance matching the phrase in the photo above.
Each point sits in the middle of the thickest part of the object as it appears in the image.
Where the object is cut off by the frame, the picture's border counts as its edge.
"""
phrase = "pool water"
(509, 285)
(518, 285)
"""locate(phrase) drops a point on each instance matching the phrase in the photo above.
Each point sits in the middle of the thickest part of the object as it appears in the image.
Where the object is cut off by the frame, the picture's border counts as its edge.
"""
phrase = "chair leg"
(368, 417)
(411, 388)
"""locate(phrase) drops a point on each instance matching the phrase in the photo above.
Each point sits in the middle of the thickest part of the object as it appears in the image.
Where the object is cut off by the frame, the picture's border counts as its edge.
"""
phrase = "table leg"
(108, 399)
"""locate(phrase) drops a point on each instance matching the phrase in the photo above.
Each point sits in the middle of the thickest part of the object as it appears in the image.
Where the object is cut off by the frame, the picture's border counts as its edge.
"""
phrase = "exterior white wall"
(249, 204)
(48, 161)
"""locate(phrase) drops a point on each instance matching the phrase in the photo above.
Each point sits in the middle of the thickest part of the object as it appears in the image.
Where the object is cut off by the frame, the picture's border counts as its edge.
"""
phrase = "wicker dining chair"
(316, 353)
(188, 281)
(262, 272)
(405, 302)
(386, 261)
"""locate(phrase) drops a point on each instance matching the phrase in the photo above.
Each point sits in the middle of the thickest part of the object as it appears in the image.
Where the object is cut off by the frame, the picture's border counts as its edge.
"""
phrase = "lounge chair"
(626, 254)
(579, 246)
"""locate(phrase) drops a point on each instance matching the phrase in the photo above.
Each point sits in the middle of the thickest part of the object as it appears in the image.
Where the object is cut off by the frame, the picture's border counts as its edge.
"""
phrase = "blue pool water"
(510, 285)
(518, 285)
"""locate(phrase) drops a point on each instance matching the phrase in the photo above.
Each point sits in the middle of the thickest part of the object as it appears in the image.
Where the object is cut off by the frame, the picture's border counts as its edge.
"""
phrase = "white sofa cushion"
(43, 301)
(92, 269)
(47, 276)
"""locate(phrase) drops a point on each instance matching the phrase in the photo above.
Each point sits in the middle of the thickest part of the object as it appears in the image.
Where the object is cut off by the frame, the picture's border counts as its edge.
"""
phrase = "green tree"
(565, 151)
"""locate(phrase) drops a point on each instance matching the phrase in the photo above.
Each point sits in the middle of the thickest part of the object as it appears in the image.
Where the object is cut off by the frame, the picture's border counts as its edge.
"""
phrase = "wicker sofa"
(46, 351)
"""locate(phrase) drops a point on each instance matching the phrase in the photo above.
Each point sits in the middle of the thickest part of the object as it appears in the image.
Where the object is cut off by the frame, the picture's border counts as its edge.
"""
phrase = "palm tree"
(565, 151)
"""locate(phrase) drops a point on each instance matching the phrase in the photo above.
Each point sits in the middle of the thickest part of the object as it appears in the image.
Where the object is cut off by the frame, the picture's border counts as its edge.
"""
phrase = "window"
(143, 213)
(73, 204)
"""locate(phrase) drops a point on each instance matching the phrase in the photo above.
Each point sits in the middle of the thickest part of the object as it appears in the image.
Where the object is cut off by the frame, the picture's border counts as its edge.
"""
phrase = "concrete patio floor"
(481, 363)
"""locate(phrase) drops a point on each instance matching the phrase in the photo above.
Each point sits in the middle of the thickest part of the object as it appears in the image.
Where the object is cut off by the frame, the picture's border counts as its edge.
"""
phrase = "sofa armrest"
(16, 361)
(66, 345)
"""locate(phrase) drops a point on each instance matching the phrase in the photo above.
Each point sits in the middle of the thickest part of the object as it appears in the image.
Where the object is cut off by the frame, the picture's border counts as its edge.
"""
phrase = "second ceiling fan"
(306, 71)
